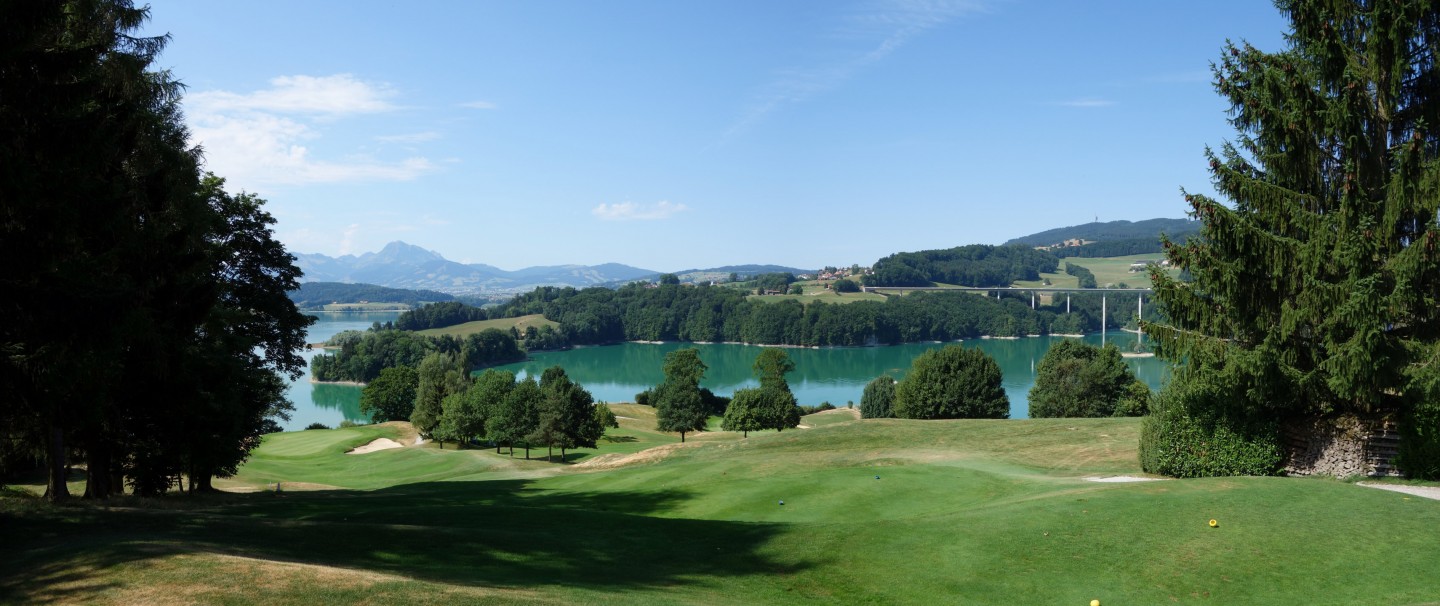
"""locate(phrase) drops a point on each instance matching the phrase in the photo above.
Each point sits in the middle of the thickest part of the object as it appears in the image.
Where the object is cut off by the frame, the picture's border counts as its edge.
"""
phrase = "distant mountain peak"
(401, 250)
(403, 265)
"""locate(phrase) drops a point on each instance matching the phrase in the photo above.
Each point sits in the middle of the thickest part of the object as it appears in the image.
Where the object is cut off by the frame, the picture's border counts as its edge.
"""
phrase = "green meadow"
(469, 328)
(875, 512)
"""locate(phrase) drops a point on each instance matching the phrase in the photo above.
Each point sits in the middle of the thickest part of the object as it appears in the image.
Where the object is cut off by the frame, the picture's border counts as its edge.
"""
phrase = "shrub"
(1076, 379)
(878, 399)
(1420, 441)
(348, 423)
(1188, 434)
(952, 383)
(317, 426)
(845, 285)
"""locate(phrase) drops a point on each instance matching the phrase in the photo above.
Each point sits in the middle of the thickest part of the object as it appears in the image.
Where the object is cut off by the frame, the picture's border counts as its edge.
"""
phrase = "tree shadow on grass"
(505, 533)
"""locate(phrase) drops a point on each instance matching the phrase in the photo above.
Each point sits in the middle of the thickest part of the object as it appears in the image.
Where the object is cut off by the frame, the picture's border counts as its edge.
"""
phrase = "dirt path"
(1429, 492)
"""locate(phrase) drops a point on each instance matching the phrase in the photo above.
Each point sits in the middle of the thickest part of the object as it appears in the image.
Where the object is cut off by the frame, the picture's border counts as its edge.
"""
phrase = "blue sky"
(674, 135)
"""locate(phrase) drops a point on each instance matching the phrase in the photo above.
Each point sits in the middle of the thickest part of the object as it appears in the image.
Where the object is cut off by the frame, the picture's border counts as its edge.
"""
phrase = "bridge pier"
(1067, 302)
(1102, 319)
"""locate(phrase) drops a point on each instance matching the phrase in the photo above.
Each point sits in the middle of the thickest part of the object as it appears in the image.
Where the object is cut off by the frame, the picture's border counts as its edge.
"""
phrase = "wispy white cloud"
(429, 135)
(1086, 102)
(331, 95)
(631, 211)
(257, 139)
(877, 28)
(479, 105)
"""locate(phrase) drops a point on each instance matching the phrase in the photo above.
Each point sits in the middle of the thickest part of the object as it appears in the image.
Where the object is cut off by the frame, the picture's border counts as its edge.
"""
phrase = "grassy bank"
(976, 512)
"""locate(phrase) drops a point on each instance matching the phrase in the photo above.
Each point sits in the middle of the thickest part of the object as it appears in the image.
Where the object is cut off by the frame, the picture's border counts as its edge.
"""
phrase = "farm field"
(1109, 271)
(815, 291)
(469, 328)
(874, 511)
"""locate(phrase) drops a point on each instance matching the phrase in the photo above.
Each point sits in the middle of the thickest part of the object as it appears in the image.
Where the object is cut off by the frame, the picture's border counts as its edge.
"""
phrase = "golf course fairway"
(874, 512)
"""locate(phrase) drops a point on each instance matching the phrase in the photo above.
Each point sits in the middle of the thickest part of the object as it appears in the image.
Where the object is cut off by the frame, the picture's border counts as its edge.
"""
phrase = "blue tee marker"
(782, 502)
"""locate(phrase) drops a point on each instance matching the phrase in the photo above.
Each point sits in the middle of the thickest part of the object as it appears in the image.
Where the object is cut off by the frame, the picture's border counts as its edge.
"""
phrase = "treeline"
(316, 295)
(973, 265)
(360, 356)
(1112, 248)
(1086, 277)
(1178, 229)
(147, 334)
(439, 315)
(719, 314)
(447, 404)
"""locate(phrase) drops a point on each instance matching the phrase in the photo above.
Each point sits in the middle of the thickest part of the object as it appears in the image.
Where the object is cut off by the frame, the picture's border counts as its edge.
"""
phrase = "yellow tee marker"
(1213, 523)
(1094, 602)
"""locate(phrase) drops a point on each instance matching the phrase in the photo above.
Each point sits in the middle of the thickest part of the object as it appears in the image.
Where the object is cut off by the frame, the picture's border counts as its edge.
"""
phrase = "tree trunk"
(55, 488)
(549, 453)
(682, 437)
(97, 470)
(562, 454)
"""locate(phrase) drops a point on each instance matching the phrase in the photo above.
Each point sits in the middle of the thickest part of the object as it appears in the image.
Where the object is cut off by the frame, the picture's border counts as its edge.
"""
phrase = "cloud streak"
(330, 95)
(631, 211)
(878, 28)
(258, 139)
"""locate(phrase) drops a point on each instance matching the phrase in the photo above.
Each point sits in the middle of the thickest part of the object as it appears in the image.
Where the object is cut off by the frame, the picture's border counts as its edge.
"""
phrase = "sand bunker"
(1429, 492)
(380, 444)
(1123, 479)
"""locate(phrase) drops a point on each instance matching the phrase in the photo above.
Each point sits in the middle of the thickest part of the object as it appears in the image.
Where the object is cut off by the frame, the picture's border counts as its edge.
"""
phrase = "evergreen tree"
(1314, 290)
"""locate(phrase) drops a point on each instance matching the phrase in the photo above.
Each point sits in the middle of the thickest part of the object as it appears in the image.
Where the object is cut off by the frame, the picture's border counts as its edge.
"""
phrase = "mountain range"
(401, 265)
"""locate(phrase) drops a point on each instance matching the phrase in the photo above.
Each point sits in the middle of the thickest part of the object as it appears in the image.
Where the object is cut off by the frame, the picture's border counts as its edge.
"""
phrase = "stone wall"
(1343, 446)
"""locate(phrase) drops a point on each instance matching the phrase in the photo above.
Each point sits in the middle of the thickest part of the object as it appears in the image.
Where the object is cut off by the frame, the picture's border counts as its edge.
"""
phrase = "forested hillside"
(973, 265)
(315, 295)
(719, 314)
(1149, 229)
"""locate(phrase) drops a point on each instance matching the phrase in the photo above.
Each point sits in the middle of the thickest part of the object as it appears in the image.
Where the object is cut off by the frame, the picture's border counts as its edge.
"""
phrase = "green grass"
(1107, 270)
(815, 291)
(974, 512)
(470, 328)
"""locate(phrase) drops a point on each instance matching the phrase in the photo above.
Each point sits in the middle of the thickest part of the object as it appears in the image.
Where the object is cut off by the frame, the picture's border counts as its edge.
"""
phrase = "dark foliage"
(974, 265)
(316, 295)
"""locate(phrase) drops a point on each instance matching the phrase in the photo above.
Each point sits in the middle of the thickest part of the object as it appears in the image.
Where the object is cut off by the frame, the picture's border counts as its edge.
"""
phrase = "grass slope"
(975, 512)
(469, 328)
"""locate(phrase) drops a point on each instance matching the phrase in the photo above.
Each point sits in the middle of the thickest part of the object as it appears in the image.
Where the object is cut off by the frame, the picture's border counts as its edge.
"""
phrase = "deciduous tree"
(1076, 379)
(953, 382)
(679, 406)
(391, 396)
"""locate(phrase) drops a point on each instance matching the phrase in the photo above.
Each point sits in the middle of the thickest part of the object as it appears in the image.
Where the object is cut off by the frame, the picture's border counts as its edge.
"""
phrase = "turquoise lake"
(615, 373)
